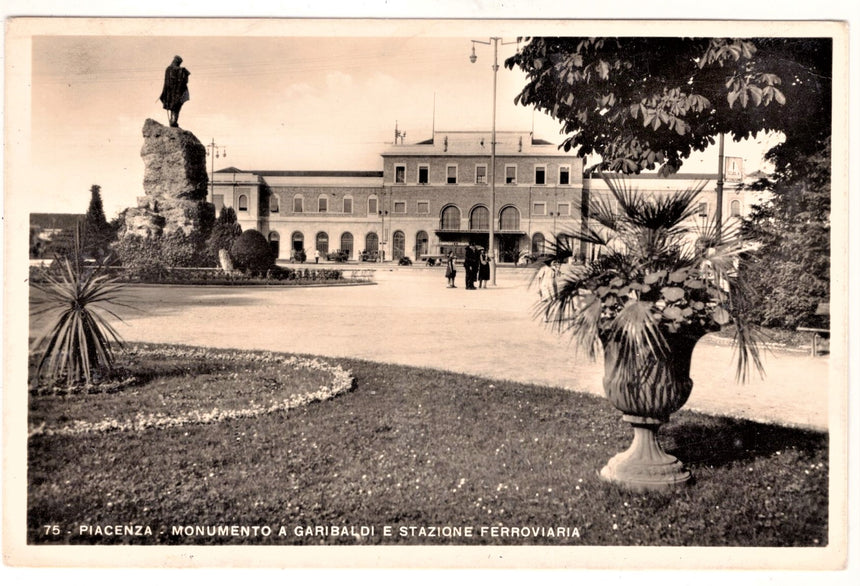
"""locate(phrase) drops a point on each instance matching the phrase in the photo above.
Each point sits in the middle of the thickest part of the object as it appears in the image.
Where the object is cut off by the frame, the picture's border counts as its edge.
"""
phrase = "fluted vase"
(647, 393)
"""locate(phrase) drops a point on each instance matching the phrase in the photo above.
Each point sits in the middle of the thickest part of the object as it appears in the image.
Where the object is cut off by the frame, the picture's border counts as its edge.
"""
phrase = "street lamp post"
(382, 239)
(494, 41)
(212, 151)
(718, 216)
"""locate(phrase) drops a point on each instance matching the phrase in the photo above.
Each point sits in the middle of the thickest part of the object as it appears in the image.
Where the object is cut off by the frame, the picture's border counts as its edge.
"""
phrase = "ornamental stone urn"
(647, 393)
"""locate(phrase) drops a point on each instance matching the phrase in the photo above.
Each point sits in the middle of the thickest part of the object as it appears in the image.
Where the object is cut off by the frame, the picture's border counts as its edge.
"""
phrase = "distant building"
(434, 196)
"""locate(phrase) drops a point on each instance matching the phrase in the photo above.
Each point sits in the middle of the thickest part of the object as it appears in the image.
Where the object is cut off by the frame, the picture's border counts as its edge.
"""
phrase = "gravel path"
(409, 317)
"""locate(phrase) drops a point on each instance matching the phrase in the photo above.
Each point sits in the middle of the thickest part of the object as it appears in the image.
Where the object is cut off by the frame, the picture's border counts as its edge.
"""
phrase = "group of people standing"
(476, 265)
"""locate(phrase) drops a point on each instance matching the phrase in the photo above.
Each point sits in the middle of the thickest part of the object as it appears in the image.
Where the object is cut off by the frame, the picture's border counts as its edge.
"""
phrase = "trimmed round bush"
(251, 253)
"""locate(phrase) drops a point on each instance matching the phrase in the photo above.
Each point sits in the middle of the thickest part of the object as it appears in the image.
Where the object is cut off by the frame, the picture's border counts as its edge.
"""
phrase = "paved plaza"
(409, 317)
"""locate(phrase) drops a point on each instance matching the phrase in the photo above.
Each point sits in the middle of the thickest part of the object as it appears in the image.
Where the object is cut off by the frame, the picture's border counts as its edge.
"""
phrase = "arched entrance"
(275, 244)
(346, 243)
(399, 242)
(298, 240)
(322, 243)
(422, 244)
(538, 243)
(510, 244)
(371, 242)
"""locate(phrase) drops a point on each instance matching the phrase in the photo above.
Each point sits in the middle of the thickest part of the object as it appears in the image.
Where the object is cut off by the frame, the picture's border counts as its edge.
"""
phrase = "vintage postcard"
(379, 293)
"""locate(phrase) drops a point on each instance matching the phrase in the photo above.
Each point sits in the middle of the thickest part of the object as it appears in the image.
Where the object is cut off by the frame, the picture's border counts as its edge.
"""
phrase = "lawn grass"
(408, 447)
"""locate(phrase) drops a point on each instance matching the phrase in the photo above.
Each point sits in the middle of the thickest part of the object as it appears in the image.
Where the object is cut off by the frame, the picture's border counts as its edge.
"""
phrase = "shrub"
(251, 252)
(224, 234)
(141, 256)
(78, 345)
(151, 257)
(277, 273)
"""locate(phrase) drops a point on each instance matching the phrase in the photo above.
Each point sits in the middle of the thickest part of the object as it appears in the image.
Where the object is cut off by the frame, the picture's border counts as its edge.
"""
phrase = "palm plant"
(657, 286)
(77, 347)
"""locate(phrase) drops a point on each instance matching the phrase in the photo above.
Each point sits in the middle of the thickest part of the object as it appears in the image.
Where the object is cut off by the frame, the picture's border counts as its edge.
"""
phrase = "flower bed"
(216, 276)
(195, 386)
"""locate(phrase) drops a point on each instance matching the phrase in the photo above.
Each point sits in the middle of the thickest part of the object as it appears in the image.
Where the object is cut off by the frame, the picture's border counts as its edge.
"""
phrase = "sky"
(285, 102)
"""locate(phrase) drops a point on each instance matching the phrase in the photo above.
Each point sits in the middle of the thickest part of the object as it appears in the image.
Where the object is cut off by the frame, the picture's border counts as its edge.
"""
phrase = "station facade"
(437, 195)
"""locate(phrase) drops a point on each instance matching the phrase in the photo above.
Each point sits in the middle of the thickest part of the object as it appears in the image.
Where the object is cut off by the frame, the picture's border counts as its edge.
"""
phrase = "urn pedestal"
(644, 465)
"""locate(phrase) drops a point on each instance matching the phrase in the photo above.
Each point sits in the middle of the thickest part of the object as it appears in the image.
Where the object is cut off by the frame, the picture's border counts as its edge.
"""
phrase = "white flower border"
(341, 382)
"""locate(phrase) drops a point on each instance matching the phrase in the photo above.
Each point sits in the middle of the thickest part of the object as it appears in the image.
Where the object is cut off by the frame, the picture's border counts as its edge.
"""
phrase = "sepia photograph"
(425, 293)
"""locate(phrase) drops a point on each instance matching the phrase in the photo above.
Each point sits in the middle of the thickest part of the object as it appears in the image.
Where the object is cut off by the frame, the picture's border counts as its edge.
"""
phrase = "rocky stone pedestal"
(174, 181)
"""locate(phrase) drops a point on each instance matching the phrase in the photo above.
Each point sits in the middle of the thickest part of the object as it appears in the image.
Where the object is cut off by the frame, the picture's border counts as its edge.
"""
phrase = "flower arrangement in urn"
(656, 285)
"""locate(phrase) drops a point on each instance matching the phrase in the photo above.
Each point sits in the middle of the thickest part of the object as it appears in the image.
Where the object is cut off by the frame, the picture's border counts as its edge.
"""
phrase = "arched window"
(298, 204)
(371, 242)
(298, 240)
(736, 208)
(399, 241)
(323, 204)
(421, 244)
(451, 218)
(538, 243)
(479, 219)
(275, 244)
(322, 243)
(274, 206)
(346, 242)
(509, 218)
(243, 203)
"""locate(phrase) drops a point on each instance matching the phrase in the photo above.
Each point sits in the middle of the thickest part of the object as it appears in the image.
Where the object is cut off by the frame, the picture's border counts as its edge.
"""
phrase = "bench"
(818, 333)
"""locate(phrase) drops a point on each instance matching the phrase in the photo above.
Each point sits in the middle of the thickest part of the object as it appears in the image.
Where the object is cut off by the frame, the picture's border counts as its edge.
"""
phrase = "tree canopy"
(648, 102)
(97, 233)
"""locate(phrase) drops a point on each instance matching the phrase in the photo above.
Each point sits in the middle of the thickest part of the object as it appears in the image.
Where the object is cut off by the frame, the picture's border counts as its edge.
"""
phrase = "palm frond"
(647, 243)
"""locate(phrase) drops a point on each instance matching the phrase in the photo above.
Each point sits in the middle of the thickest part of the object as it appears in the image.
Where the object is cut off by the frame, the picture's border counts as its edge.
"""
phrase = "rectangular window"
(539, 209)
(510, 174)
(423, 174)
(564, 209)
(371, 206)
(347, 205)
(564, 175)
(703, 209)
(298, 205)
(399, 207)
(218, 202)
(423, 207)
(400, 174)
(540, 174)
(481, 174)
(452, 174)
(323, 204)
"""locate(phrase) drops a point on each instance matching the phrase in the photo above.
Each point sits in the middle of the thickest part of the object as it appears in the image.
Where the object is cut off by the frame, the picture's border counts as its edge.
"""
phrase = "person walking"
(174, 93)
(450, 271)
(316, 256)
(547, 285)
(483, 270)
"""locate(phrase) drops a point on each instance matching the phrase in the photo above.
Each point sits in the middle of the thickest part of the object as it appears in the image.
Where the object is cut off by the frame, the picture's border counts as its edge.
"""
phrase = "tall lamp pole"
(718, 217)
(212, 151)
(494, 41)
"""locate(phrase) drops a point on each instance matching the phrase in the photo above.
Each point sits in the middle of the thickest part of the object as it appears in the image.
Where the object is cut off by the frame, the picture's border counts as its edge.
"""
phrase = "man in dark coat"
(470, 264)
(175, 91)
